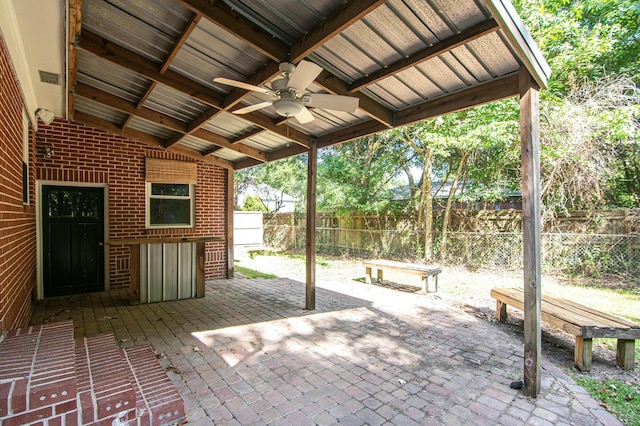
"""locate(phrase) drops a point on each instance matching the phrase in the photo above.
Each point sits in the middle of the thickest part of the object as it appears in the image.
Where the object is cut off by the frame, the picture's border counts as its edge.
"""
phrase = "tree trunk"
(447, 211)
(427, 203)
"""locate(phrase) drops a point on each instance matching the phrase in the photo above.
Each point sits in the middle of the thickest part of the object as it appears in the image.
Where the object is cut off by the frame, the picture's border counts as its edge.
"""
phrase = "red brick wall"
(84, 154)
(17, 221)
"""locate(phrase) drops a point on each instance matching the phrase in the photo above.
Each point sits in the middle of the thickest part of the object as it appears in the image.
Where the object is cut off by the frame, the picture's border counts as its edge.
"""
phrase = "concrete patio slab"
(248, 353)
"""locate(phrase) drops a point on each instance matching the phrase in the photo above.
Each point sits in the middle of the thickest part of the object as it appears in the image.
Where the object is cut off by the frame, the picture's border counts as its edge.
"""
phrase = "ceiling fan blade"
(304, 116)
(303, 75)
(334, 102)
(242, 85)
(252, 108)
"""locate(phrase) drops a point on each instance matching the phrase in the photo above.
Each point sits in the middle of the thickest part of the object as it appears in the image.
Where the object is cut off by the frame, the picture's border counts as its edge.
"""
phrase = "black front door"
(73, 231)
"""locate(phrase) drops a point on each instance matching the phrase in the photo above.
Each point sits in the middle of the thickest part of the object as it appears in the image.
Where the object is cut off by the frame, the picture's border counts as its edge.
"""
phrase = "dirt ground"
(470, 290)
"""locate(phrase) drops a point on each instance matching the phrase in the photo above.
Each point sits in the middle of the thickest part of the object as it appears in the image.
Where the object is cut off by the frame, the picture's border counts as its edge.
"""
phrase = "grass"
(289, 254)
(620, 398)
(251, 273)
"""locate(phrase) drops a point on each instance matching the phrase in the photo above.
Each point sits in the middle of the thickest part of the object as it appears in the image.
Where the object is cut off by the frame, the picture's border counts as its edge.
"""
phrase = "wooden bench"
(581, 321)
(426, 273)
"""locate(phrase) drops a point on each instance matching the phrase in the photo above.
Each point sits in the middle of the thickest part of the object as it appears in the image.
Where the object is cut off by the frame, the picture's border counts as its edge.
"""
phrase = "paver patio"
(248, 353)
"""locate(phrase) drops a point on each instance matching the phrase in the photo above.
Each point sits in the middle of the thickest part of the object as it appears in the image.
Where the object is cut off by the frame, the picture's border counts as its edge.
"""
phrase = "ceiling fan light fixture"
(288, 107)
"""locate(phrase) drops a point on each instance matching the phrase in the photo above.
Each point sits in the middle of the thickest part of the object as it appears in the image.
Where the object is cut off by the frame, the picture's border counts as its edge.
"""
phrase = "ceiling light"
(288, 107)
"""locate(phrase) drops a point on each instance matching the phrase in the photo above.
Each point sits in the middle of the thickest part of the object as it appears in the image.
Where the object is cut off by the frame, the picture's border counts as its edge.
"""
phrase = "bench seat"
(583, 322)
(426, 273)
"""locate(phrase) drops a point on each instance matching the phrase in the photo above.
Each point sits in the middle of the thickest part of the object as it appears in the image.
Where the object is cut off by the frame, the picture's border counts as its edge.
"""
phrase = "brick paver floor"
(248, 353)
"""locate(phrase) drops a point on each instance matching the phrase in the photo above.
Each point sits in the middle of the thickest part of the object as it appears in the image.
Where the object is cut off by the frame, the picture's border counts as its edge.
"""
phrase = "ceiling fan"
(290, 99)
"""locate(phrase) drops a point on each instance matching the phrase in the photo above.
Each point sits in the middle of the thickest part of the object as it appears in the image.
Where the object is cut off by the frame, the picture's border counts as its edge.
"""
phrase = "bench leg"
(625, 354)
(501, 311)
(368, 275)
(379, 275)
(426, 280)
(582, 355)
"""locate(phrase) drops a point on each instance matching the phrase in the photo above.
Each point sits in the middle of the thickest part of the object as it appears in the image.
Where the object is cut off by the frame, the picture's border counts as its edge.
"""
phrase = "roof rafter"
(463, 37)
(101, 47)
(236, 24)
(491, 91)
(98, 123)
(334, 24)
(165, 121)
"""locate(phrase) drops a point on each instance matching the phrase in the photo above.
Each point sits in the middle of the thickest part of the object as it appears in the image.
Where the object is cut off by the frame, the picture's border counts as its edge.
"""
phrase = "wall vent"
(49, 77)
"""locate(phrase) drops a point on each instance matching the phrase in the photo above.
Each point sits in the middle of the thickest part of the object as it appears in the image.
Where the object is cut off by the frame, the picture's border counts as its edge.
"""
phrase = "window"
(170, 205)
(170, 193)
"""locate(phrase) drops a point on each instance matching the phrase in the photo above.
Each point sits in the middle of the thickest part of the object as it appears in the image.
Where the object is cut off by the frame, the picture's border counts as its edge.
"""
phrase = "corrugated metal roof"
(245, 45)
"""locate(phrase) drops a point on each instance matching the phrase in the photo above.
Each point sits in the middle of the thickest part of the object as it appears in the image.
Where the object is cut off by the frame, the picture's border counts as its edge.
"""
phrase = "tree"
(590, 148)
(357, 176)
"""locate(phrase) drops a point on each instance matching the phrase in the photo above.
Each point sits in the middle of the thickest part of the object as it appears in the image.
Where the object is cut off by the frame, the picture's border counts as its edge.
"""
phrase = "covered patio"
(126, 92)
(248, 353)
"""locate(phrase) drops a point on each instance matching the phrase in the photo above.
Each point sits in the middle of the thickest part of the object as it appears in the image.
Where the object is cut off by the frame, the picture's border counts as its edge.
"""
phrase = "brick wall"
(17, 221)
(84, 154)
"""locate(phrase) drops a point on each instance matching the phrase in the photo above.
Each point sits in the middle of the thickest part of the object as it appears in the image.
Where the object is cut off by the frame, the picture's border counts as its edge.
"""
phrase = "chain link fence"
(585, 255)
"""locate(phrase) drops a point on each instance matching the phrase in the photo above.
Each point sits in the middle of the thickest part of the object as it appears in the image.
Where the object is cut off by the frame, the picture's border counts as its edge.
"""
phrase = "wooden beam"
(286, 152)
(75, 26)
(267, 123)
(92, 121)
(234, 23)
(98, 123)
(120, 104)
(105, 49)
(312, 174)
(491, 91)
(194, 125)
(354, 132)
(223, 142)
(248, 135)
(247, 162)
(200, 262)
(466, 36)
(373, 109)
(334, 24)
(531, 224)
(166, 121)
(230, 207)
(186, 33)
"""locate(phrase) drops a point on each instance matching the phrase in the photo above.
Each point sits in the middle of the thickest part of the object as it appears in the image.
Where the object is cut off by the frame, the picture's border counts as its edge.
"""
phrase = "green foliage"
(251, 273)
(357, 175)
(253, 203)
(584, 40)
(288, 175)
(620, 398)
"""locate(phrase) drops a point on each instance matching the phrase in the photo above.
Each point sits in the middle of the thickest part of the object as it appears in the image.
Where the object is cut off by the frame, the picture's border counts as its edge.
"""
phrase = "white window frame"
(192, 202)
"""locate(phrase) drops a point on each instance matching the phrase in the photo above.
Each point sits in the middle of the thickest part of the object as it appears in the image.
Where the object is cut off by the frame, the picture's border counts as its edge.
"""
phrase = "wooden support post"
(134, 274)
(380, 275)
(200, 253)
(625, 355)
(230, 200)
(501, 311)
(530, 159)
(312, 172)
(582, 354)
